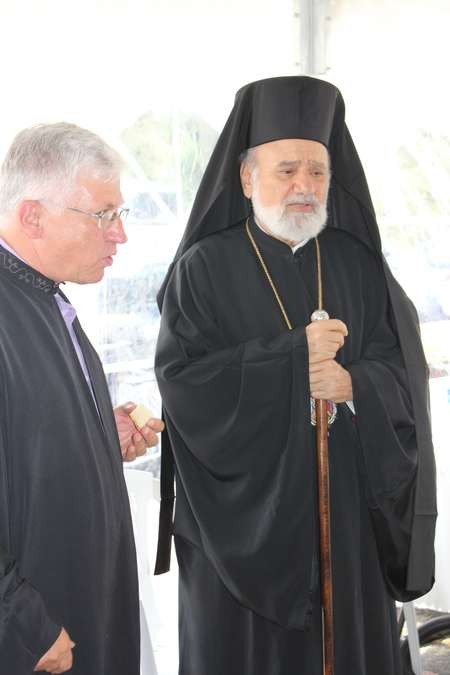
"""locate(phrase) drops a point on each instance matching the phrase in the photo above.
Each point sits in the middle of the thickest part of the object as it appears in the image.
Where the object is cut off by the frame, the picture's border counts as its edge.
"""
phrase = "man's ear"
(30, 217)
(246, 180)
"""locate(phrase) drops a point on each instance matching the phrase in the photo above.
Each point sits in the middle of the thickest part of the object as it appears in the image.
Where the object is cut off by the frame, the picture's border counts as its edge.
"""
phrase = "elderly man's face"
(288, 182)
(73, 247)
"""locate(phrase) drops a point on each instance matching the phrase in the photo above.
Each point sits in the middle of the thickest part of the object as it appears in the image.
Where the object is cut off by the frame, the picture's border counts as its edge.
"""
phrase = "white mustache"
(302, 199)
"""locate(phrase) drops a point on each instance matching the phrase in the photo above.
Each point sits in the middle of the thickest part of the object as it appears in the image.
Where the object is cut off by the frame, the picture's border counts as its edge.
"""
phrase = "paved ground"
(436, 656)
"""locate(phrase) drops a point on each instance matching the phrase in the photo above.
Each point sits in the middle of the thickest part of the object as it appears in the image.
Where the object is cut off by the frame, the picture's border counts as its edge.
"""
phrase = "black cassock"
(67, 554)
(234, 383)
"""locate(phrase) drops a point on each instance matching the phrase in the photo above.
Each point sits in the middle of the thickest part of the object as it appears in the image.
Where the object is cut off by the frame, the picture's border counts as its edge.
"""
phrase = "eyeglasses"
(106, 218)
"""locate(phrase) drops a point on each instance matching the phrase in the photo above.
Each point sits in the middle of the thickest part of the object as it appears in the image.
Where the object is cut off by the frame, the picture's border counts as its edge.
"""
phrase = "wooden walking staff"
(323, 488)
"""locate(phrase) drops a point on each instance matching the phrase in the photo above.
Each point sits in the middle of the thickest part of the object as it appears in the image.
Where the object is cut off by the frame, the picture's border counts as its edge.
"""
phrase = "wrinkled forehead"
(98, 191)
(290, 150)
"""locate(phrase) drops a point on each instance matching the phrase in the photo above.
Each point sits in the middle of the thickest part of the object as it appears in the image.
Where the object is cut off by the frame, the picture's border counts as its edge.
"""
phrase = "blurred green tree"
(172, 150)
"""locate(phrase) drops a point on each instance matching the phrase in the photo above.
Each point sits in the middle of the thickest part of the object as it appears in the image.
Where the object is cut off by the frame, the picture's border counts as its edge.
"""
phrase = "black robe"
(235, 390)
(67, 554)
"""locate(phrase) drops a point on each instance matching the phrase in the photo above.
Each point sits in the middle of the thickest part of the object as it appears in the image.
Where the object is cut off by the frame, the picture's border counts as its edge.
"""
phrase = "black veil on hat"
(270, 110)
(312, 109)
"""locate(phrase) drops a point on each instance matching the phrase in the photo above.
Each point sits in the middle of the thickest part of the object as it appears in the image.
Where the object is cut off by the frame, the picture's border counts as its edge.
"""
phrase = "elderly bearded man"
(238, 361)
(67, 558)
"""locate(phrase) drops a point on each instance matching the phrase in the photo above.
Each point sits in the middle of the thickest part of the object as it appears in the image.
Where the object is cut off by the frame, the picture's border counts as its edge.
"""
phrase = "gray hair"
(46, 159)
(248, 157)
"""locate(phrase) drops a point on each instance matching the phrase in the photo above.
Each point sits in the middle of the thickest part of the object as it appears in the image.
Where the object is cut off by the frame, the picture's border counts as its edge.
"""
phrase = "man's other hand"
(133, 441)
(330, 381)
(59, 658)
(324, 339)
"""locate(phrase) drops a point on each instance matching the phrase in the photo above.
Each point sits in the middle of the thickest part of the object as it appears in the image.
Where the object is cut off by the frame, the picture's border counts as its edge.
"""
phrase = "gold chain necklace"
(318, 315)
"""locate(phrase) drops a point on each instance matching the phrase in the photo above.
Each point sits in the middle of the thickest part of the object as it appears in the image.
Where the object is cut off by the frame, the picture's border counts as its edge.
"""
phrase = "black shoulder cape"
(303, 107)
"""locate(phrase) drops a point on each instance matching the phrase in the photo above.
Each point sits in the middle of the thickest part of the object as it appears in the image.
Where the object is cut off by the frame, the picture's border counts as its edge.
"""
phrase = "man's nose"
(303, 182)
(116, 232)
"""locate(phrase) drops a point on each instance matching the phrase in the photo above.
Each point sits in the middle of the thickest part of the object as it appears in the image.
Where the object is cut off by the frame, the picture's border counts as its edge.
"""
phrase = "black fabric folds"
(403, 504)
(164, 547)
(67, 554)
(235, 389)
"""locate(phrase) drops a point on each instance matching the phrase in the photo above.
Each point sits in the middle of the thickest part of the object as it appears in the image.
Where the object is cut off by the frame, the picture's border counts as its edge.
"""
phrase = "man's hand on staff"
(328, 380)
(324, 339)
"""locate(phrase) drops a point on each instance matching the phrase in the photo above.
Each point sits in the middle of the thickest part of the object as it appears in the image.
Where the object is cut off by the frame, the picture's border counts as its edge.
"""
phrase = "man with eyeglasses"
(68, 581)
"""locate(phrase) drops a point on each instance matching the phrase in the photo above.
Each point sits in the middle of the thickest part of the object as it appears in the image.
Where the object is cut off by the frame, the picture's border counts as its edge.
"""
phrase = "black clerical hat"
(269, 110)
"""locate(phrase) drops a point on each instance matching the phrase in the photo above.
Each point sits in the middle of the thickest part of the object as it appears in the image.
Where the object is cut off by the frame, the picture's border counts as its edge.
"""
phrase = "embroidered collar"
(25, 274)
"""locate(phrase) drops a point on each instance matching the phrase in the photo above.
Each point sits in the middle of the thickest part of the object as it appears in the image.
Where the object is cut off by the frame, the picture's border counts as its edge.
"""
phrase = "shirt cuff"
(351, 405)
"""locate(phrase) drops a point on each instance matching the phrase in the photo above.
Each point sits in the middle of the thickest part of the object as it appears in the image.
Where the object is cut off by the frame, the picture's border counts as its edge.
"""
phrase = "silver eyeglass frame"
(103, 224)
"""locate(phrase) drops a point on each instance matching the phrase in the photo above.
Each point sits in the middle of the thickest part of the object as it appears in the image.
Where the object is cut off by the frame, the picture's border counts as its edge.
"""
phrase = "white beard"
(292, 227)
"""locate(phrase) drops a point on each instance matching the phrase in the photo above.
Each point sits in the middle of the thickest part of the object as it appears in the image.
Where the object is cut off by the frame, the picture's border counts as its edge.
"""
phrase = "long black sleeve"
(26, 630)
